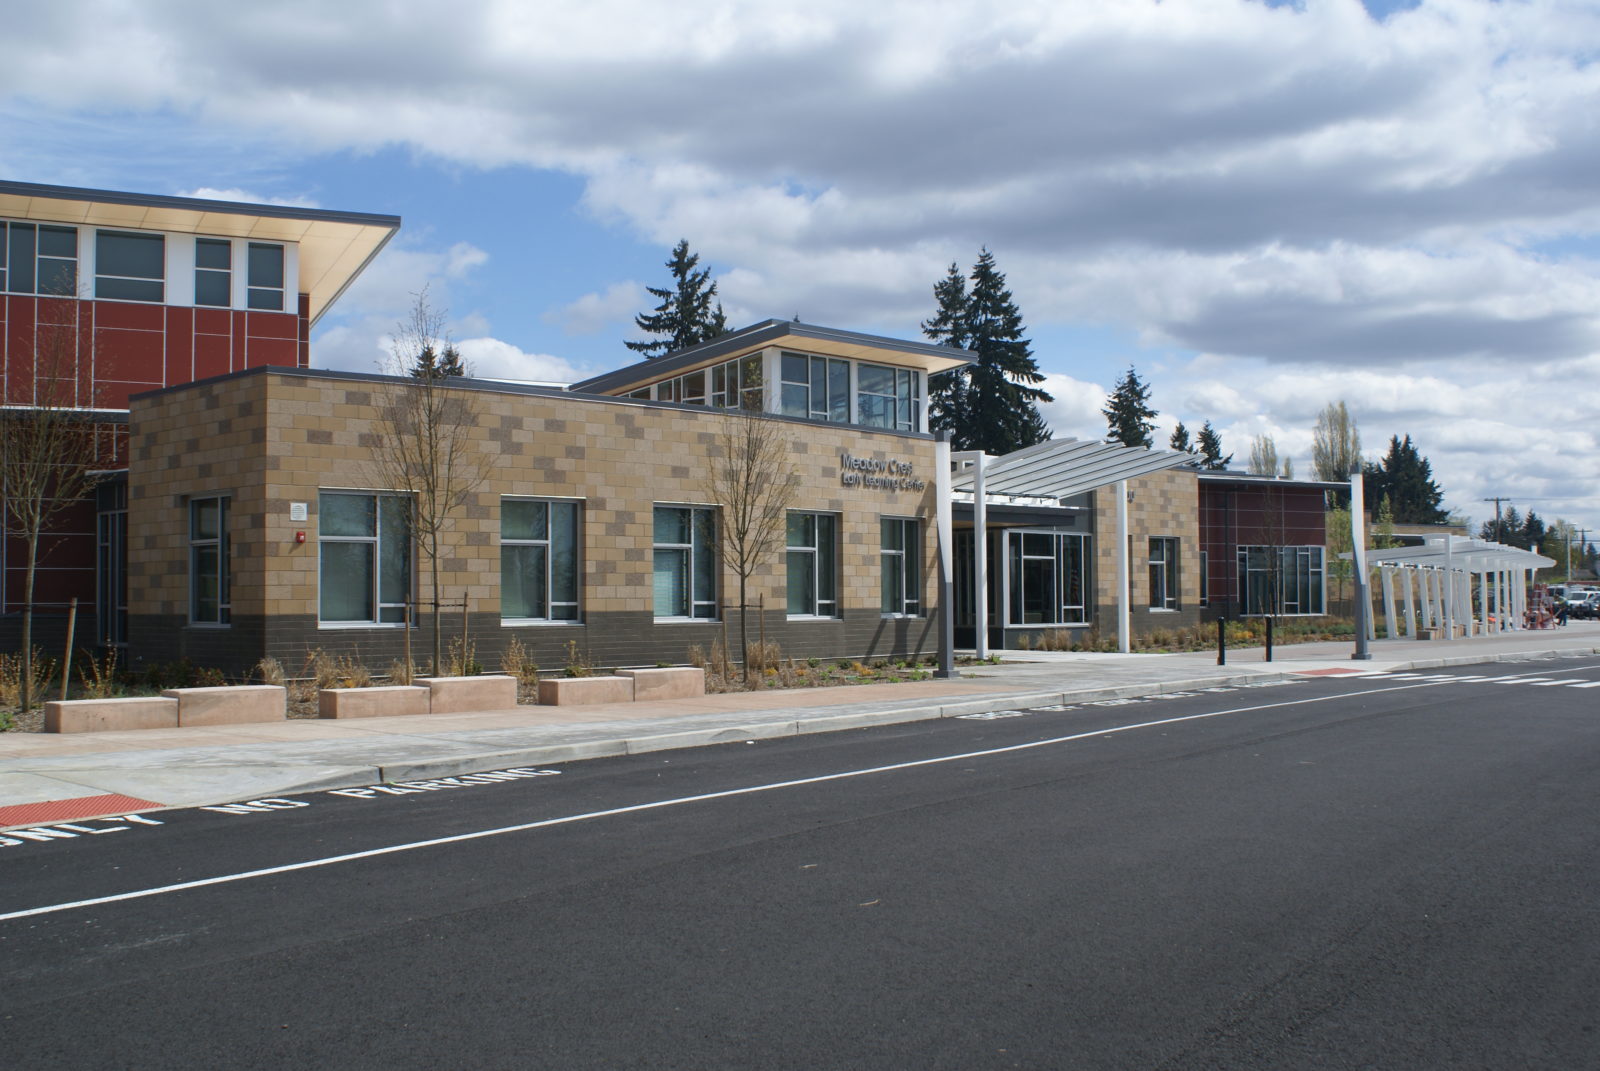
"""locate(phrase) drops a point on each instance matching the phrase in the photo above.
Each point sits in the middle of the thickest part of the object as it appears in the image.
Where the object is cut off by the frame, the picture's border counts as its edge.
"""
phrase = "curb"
(400, 771)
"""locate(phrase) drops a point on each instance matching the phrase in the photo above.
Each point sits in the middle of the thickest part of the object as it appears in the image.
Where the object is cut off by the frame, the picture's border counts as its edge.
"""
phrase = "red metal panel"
(179, 346)
(274, 351)
(128, 357)
(211, 355)
(272, 325)
(130, 315)
(240, 351)
(19, 350)
(213, 321)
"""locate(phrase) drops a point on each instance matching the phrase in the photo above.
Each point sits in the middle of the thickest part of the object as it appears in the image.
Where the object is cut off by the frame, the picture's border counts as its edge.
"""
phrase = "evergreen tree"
(1129, 418)
(431, 364)
(1211, 449)
(990, 405)
(1511, 527)
(686, 315)
(1180, 440)
(947, 392)
(1407, 478)
(1533, 531)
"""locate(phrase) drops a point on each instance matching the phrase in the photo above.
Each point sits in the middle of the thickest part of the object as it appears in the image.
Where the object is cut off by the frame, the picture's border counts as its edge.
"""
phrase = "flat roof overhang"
(334, 247)
(827, 341)
(1062, 468)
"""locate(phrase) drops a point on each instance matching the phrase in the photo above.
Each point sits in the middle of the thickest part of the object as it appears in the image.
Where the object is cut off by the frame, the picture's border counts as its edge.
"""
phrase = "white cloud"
(1318, 203)
(248, 197)
(492, 358)
(593, 313)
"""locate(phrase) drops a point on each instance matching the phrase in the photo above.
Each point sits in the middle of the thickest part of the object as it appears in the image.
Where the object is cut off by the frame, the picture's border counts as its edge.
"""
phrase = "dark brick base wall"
(619, 640)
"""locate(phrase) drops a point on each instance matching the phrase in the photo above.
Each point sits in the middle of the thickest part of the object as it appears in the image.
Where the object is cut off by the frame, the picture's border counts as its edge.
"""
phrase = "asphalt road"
(1395, 873)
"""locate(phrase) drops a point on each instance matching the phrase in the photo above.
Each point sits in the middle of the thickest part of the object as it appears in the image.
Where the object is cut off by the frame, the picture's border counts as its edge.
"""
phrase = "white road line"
(1584, 684)
(965, 756)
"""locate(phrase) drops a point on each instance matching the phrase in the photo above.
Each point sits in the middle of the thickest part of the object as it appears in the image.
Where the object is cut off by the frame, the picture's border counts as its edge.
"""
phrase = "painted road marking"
(15, 838)
(677, 801)
(992, 715)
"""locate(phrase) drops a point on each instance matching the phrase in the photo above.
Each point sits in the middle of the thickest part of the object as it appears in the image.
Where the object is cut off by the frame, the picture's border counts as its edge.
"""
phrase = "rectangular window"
(213, 272)
(364, 551)
(900, 552)
(1281, 581)
(1047, 578)
(685, 562)
(265, 277)
(208, 561)
(813, 564)
(817, 388)
(39, 259)
(538, 560)
(888, 397)
(1163, 573)
(130, 266)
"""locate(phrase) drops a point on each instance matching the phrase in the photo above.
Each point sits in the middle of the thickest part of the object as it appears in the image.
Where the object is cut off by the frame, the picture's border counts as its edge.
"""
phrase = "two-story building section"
(117, 293)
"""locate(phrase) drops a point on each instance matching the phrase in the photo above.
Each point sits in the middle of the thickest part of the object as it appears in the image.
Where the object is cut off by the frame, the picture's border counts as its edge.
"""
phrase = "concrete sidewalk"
(54, 778)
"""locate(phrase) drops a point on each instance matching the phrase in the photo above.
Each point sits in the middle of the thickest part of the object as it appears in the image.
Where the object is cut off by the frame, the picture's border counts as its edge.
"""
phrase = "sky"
(1260, 207)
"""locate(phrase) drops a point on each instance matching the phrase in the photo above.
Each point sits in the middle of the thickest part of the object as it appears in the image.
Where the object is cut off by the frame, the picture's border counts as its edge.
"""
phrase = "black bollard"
(1269, 639)
(1222, 641)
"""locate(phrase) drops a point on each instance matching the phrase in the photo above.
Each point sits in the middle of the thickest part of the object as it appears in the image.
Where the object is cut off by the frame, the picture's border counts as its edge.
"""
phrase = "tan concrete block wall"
(1164, 504)
(269, 440)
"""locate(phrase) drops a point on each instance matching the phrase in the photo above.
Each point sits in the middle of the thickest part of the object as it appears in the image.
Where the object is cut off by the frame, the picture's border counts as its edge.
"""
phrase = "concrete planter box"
(110, 715)
(465, 695)
(678, 682)
(386, 702)
(230, 706)
(572, 691)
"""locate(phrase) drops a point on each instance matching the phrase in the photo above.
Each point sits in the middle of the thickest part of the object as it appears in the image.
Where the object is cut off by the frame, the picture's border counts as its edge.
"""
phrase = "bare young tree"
(49, 453)
(423, 442)
(753, 482)
(1264, 458)
(1336, 443)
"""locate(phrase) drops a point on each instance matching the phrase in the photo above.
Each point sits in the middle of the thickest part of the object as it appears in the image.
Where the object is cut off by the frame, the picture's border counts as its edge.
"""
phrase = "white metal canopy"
(1436, 584)
(1061, 468)
(1459, 552)
(1055, 469)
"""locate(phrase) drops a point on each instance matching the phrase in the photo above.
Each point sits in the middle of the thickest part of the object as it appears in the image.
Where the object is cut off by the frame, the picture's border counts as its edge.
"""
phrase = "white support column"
(1408, 578)
(1449, 581)
(1124, 596)
(1425, 589)
(980, 557)
(1483, 603)
(1387, 572)
(1499, 601)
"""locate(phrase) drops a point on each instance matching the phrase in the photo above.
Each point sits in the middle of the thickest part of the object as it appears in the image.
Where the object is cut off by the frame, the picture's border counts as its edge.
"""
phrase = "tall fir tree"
(1180, 440)
(1407, 478)
(432, 364)
(1129, 418)
(686, 315)
(991, 404)
(1210, 443)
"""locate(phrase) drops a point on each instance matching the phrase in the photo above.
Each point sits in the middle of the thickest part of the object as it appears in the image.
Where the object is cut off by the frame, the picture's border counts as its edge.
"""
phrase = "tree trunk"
(744, 632)
(25, 686)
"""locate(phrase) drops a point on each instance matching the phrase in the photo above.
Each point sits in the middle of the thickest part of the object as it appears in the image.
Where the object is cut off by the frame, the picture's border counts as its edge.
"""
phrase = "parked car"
(1584, 604)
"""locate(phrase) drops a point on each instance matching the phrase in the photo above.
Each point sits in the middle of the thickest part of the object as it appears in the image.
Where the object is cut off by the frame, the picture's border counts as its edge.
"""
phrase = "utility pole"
(1497, 499)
